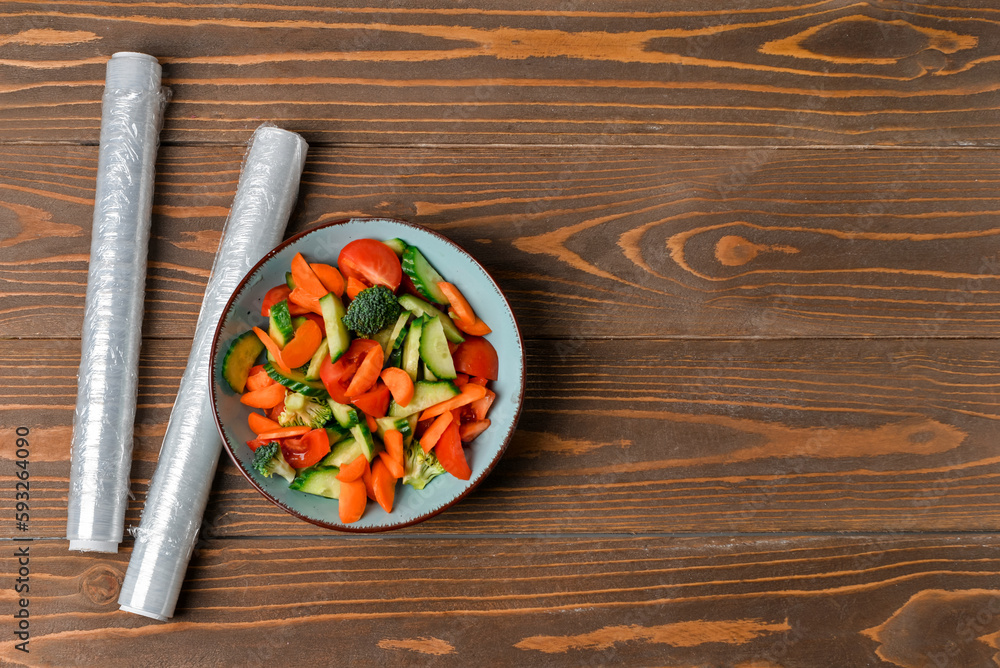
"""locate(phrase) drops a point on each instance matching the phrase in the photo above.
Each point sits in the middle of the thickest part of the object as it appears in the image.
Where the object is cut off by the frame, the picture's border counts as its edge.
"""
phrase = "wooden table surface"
(753, 246)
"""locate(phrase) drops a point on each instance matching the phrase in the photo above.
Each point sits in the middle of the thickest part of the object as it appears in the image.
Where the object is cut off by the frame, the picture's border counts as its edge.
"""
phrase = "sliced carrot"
(305, 278)
(260, 424)
(284, 432)
(367, 478)
(433, 433)
(268, 397)
(354, 286)
(305, 300)
(470, 393)
(367, 372)
(384, 483)
(258, 380)
(353, 500)
(272, 348)
(394, 468)
(400, 385)
(480, 407)
(458, 301)
(354, 470)
(370, 421)
(306, 341)
(329, 277)
(473, 328)
(470, 430)
(393, 440)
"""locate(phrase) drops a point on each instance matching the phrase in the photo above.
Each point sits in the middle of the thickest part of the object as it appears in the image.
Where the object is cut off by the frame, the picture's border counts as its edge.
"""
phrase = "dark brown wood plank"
(626, 436)
(788, 601)
(757, 72)
(585, 243)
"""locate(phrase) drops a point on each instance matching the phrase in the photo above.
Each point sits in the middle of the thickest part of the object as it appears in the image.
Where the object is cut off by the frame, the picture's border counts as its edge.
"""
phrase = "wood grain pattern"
(547, 601)
(622, 436)
(585, 243)
(802, 73)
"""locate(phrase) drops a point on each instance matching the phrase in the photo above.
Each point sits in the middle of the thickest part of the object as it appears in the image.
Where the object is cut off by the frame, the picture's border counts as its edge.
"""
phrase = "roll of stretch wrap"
(101, 450)
(179, 490)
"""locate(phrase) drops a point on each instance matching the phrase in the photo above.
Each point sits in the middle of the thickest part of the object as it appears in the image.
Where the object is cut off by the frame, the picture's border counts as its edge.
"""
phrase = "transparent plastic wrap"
(101, 450)
(179, 489)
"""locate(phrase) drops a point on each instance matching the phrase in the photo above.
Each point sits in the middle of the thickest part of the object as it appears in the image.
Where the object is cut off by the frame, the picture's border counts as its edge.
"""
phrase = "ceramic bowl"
(323, 244)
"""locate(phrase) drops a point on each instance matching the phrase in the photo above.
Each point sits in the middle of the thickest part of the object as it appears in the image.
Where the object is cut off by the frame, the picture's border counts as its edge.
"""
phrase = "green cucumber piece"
(420, 307)
(383, 338)
(337, 336)
(402, 425)
(424, 276)
(346, 416)
(434, 350)
(296, 381)
(428, 374)
(397, 245)
(336, 433)
(318, 480)
(343, 453)
(395, 359)
(363, 436)
(312, 371)
(289, 281)
(399, 330)
(411, 349)
(242, 353)
(281, 329)
(425, 395)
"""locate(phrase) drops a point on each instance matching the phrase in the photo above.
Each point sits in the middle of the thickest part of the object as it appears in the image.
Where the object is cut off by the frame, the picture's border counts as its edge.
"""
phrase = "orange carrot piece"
(366, 477)
(268, 397)
(470, 392)
(306, 341)
(329, 277)
(284, 432)
(384, 483)
(354, 286)
(353, 500)
(433, 433)
(400, 385)
(458, 301)
(258, 380)
(272, 348)
(306, 300)
(474, 328)
(393, 440)
(305, 278)
(394, 468)
(367, 372)
(354, 470)
(260, 424)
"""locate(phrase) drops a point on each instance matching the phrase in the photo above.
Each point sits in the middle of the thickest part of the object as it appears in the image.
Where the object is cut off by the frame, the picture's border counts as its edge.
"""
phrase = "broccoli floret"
(373, 309)
(419, 468)
(302, 411)
(268, 460)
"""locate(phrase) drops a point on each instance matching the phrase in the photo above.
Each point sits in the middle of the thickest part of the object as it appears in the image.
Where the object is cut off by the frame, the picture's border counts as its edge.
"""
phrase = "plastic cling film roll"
(179, 489)
(101, 450)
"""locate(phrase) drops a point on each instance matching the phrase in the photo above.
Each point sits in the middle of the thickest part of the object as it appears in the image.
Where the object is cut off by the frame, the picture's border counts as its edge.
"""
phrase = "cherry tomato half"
(370, 261)
(273, 296)
(306, 450)
(477, 357)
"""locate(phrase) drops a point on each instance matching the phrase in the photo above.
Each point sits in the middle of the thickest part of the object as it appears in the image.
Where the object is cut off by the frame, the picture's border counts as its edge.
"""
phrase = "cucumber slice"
(428, 374)
(346, 416)
(242, 353)
(337, 335)
(402, 425)
(399, 330)
(411, 349)
(312, 371)
(344, 452)
(383, 338)
(336, 433)
(420, 307)
(424, 276)
(397, 245)
(281, 328)
(363, 436)
(296, 381)
(289, 281)
(395, 359)
(434, 350)
(318, 480)
(425, 395)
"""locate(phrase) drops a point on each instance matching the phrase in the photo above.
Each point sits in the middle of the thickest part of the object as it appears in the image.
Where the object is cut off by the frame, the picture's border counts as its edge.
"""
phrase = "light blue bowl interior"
(324, 245)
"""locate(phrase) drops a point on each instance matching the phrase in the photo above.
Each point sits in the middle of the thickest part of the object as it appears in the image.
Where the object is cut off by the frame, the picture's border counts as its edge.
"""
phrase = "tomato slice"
(306, 450)
(337, 376)
(375, 402)
(273, 296)
(477, 357)
(450, 454)
(371, 261)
